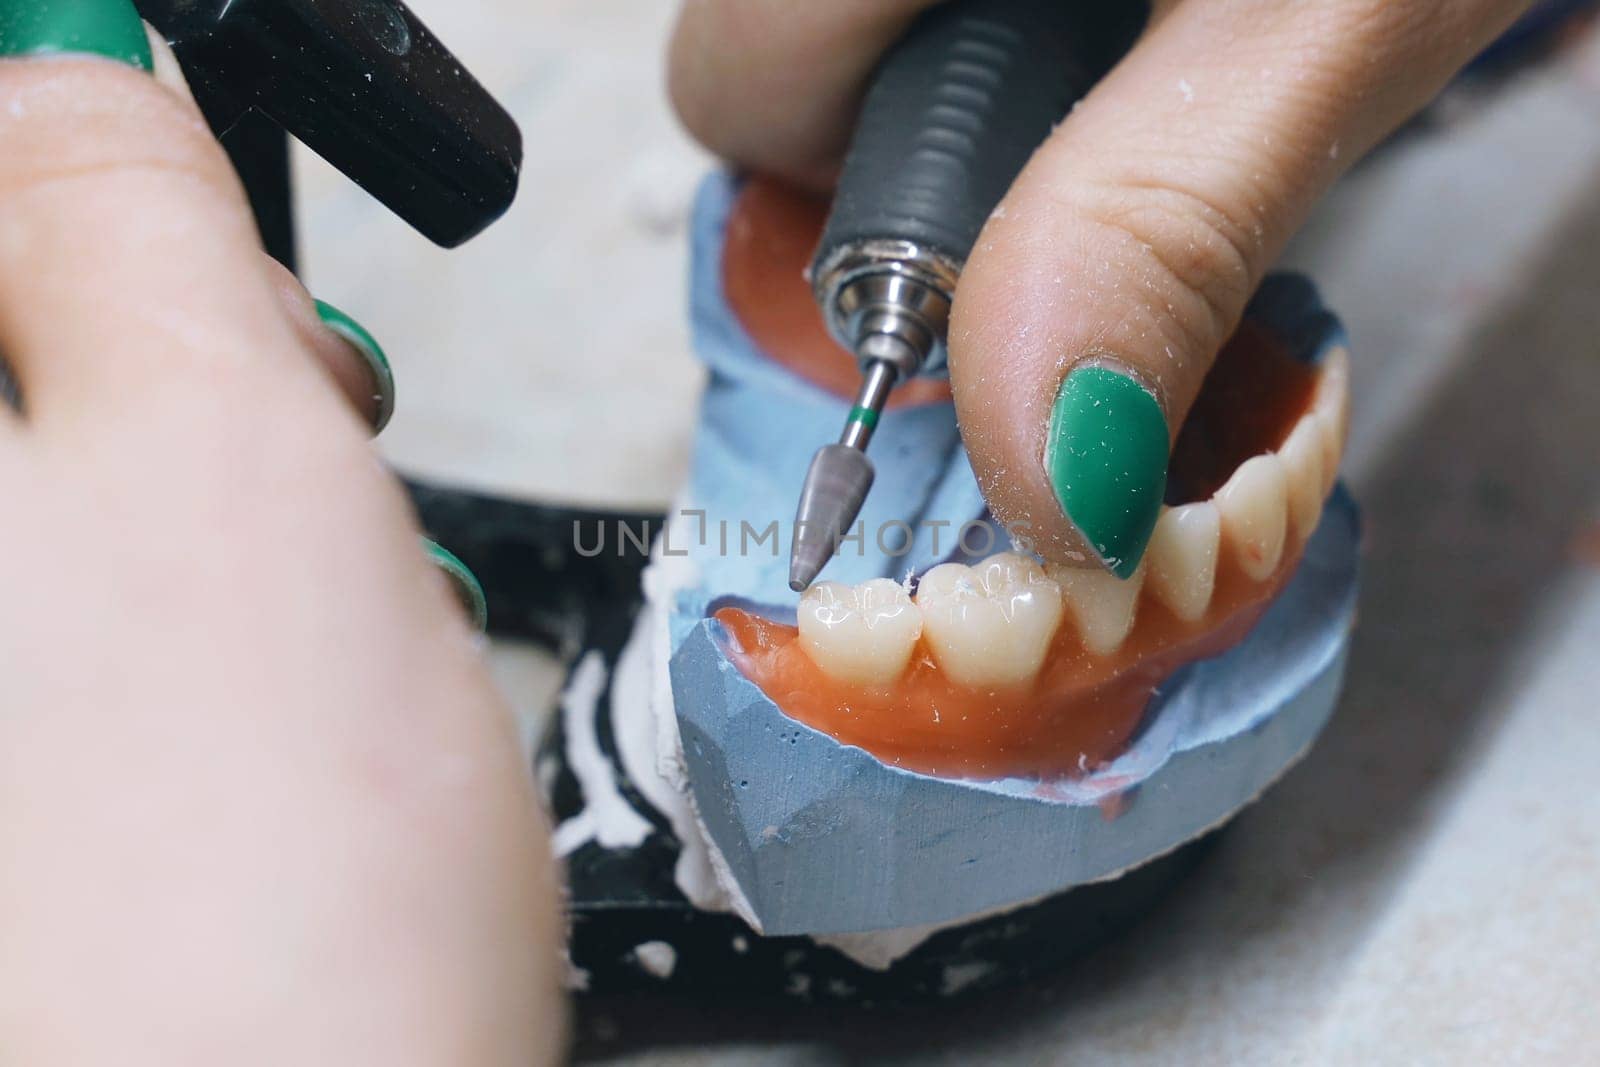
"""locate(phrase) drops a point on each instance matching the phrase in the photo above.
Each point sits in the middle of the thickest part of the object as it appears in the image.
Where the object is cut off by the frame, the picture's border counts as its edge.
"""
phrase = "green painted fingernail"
(1107, 460)
(468, 589)
(372, 352)
(108, 28)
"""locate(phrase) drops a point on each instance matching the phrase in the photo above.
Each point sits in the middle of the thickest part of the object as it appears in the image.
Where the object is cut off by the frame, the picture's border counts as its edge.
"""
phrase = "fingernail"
(371, 353)
(109, 28)
(468, 589)
(1107, 460)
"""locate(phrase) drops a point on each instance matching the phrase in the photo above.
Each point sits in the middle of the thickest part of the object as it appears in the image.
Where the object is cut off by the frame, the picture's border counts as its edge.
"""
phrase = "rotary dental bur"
(952, 114)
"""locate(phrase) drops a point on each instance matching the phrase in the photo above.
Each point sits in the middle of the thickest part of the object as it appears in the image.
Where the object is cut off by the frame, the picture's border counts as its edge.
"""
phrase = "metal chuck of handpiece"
(952, 113)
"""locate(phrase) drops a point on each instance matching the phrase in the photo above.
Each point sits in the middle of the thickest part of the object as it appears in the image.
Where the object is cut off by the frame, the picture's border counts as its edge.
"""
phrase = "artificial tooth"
(1254, 505)
(862, 634)
(1331, 405)
(1102, 604)
(1182, 558)
(1302, 457)
(989, 625)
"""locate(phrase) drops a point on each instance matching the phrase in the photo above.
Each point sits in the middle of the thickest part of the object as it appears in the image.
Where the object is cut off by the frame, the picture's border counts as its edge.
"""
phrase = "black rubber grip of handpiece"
(955, 109)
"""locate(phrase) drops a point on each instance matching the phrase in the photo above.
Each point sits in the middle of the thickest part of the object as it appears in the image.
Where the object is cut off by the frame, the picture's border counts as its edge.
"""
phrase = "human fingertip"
(468, 590)
(372, 356)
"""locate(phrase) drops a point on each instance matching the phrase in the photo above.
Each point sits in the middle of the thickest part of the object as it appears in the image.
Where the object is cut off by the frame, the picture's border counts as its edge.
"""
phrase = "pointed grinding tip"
(835, 487)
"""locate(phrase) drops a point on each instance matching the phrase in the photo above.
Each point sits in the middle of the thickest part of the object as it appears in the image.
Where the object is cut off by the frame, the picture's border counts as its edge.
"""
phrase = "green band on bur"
(865, 416)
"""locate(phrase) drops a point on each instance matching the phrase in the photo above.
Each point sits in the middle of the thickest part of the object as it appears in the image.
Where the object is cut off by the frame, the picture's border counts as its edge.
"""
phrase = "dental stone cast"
(991, 625)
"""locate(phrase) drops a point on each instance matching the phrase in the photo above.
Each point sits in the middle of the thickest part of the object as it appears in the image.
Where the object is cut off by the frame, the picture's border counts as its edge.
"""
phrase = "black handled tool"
(953, 112)
(366, 86)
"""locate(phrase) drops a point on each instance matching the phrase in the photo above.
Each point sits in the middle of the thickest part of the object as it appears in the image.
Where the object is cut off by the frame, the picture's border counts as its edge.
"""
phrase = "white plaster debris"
(576, 979)
(607, 817)
(878, 950)
(645, 725)
(656, 958)
(646, 728)
(958, 976)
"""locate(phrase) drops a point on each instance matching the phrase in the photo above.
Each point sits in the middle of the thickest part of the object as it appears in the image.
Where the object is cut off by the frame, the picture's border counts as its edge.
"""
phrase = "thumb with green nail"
(1123, 255)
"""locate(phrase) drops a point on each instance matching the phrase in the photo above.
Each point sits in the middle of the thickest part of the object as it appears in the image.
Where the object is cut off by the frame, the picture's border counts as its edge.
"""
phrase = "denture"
(1007, 667)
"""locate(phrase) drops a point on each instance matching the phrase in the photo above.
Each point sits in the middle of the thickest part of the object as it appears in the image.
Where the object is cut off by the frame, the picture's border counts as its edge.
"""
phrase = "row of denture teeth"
(991, 624)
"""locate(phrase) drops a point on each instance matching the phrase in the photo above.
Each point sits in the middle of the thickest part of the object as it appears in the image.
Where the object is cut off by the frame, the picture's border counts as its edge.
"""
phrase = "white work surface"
(1423, 888)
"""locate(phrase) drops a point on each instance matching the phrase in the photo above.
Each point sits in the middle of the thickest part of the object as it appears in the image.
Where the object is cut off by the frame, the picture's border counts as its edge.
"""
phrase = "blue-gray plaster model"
(822, 837)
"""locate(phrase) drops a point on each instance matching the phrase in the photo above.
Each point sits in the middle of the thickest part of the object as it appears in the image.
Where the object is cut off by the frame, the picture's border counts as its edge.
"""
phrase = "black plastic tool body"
(956, 108)
(365, 85)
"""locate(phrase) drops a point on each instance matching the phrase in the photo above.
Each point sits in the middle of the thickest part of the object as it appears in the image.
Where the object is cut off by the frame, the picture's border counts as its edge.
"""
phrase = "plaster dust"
(656, 958)
(606, 817)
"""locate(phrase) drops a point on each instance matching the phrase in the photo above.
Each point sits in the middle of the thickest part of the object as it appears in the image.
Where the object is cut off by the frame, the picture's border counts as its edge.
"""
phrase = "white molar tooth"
(1255, 510)
(1330, 403)
(989, 625)
(862, 634)
(1102, 604)
(1302, 455)
(1181, 559)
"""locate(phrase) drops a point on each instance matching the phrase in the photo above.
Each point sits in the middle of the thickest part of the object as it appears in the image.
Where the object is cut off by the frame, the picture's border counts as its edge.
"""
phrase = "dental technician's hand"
(259, 802)
(1095, 301)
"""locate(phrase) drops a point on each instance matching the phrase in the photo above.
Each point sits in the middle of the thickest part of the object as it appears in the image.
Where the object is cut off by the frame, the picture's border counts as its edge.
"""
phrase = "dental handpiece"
(952, 113)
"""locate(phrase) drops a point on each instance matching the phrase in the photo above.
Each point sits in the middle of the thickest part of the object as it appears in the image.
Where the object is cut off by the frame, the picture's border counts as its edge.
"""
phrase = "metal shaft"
(876, 383)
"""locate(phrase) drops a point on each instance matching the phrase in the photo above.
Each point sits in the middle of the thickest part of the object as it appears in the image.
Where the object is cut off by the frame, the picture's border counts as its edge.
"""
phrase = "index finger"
(129, 259)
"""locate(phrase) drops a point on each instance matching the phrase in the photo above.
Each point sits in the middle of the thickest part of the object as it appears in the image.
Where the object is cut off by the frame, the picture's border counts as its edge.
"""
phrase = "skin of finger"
(234, 684)
(352, 374)
(169, 74)
(1139, 229)
(113, 186)
(775, 85)
(270, 740)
